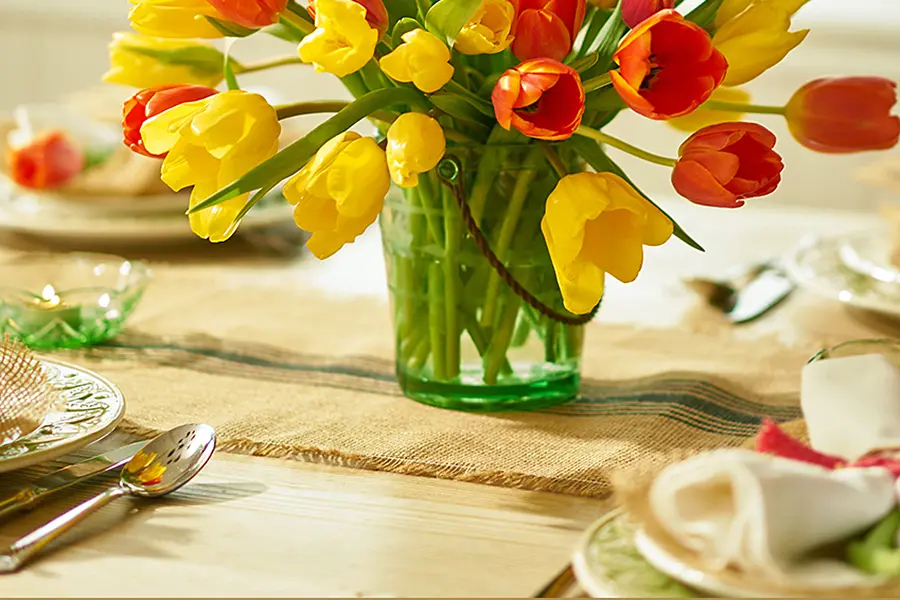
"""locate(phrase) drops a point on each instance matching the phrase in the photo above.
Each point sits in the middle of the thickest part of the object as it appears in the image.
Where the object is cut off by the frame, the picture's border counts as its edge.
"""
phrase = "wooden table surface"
(266, 527)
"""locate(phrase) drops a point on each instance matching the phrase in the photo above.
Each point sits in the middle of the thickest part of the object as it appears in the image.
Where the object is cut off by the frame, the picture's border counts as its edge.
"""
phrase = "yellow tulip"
(142, 62)
(729, 9)
(702, 117)
(421, 59)
(174, 18)
(755, 40)
(343, 41)
(596, 223)
(210, 143)
(415, 144)
(340, 192)
(488, 29)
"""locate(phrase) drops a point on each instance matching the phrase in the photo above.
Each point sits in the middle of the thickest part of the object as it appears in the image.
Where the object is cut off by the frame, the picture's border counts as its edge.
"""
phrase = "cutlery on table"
(163, 465)
(66, 476)
(748, 294)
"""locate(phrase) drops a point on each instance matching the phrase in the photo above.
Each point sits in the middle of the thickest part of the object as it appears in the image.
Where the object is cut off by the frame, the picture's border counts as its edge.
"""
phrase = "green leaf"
(446, 18)
(482, 105)
(285, 31)
(606, 42)
(705, 14)
(201, 58)
(230, 29)
(583, 64)
(458, 108)
(593, 153)
(422, 8)
(291, 158)
(593, 23)
(404, 25)
(604, 99)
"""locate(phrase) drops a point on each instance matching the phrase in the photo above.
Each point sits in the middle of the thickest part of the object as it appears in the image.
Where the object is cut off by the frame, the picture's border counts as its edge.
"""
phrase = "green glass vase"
(466, 337)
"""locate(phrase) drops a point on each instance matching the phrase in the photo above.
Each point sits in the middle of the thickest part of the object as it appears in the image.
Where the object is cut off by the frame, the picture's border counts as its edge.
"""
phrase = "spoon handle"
(32, 543)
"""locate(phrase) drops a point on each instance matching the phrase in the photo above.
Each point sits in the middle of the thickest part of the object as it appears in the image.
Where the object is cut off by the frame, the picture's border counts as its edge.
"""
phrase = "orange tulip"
(667, 67)
(722, 164)
(634, 12)
(47, 161)
(542, 98)
(844, 114)
(376, 13)
(547, 28)
(152, 101)
(250, 13)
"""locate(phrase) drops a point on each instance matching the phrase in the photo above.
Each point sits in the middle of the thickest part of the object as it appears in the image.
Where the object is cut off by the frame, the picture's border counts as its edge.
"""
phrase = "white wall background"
(50, 48)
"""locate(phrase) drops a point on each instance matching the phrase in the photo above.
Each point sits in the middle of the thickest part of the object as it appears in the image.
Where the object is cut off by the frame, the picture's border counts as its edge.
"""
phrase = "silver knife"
(70, 475)
(763, 293)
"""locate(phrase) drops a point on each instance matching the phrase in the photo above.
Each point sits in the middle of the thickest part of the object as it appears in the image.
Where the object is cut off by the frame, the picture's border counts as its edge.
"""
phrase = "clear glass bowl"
(51, 301)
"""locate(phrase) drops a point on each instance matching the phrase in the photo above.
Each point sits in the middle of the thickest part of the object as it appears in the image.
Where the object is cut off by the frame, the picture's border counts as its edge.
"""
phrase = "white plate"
(817, 266)
(24, 215)
(94, 406)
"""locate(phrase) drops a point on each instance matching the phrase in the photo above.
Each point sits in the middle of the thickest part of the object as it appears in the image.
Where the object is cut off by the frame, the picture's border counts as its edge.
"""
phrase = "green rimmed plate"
(608, 565)
(93, 408)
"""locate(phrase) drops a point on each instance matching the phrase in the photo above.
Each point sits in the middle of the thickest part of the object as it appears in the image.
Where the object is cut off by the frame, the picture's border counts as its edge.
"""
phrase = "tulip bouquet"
(489, 116)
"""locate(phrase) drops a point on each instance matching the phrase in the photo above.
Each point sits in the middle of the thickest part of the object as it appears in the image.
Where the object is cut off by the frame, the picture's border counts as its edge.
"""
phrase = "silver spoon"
(162, 466)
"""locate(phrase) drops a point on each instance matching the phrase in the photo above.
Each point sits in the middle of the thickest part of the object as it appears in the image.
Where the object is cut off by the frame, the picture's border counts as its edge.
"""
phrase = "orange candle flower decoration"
(542, 98)
(151, 102)
(48, 161)
(667, 67)
(722, 164)
(547, 28)
(250, 13)
(845, 114)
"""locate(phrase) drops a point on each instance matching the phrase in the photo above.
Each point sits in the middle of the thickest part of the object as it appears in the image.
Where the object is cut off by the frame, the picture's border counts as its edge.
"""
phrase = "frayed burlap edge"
(591, 489)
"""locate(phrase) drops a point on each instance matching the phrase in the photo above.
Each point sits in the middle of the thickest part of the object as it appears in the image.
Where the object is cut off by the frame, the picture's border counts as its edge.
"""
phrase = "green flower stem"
(743, 108)
(555, 161)
(489, 166)
(511, 215)
(595, 83)
(502, 336)
(452, 239)
(624, 146)
(286, 111)
(296, 19)
(480, 339)
(522, 332)
(436, 321)
(550, 339)
(430, 208)
(266, 64)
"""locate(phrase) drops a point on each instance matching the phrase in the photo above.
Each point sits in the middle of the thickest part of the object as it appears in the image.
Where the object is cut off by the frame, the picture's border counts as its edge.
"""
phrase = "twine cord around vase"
(450, 173)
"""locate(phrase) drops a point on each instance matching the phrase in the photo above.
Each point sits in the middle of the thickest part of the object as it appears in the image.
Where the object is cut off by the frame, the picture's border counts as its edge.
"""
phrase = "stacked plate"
(858, 270)
(91, 408)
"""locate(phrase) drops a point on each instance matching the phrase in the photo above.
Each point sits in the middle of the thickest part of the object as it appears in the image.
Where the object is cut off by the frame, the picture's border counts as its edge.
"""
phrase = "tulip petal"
(614, 243)
(541, 34)
(693, 181)
(162, 132)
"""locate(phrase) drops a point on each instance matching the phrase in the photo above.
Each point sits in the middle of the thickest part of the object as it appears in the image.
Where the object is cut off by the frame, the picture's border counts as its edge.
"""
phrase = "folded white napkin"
(764, 515)
(852, 404)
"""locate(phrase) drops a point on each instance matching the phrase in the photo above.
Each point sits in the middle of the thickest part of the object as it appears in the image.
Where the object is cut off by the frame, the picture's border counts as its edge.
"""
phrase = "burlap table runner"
(286, 373)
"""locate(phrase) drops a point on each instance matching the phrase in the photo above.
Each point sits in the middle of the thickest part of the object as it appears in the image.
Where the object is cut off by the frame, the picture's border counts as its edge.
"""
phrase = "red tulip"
(667, 66)
(152, 101)
(376, 13)
(844, 114)
(250, 13)
(542, 98)
(48, 161)
(636, 11)
(547, 28)
(722, 164)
